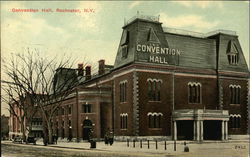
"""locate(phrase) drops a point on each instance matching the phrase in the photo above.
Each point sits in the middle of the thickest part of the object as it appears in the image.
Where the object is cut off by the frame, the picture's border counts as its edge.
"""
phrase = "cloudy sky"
(95, 35)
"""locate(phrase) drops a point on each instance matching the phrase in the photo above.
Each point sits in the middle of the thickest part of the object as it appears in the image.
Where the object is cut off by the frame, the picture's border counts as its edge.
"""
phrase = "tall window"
(154, 89)
(69, 123)
(62, 124)
(86, 108)
(123, 91)
(194, 92)
(124, 46)
(69, 109)
(124, 51)
(234, 94)
(234, 121)
(124, 120)
(154, 120)
(233, 58)
(62, 111)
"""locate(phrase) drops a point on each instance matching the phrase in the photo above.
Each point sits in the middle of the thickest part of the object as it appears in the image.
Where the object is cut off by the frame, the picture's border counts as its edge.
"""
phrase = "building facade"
(164, 83)
(33, 123)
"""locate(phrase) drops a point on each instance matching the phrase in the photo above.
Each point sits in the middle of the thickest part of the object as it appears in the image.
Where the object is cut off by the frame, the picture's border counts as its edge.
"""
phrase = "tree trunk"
(50, 133)
(23, 130)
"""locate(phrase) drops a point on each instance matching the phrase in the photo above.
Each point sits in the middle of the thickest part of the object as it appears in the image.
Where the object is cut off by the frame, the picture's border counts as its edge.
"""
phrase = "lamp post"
(70, 133)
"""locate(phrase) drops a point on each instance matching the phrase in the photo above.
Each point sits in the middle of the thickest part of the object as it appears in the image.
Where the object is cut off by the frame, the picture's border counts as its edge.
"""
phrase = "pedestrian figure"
(111, 138)
(56, 138)
(106, 138)
(90, 135)
(186, 149)
(45, 140)
(70, 138)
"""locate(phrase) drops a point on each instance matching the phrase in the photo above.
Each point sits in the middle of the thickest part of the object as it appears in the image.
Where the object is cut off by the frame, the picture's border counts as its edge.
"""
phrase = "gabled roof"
(231, 48)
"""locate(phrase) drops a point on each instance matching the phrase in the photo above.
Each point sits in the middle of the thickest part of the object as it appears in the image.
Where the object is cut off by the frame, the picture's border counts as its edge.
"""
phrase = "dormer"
(232, 53)
(124, 44)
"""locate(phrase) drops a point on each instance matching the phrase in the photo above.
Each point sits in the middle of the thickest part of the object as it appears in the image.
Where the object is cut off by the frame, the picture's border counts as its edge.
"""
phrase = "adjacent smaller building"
(4, 127)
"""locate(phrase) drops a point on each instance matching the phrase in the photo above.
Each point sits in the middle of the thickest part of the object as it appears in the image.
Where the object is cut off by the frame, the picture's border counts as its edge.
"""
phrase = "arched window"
(154, 120)
(123, 91)
(234, 94)
(124, 120)
(234, 121)
(154, 89)
(151, 121)
(194, 92)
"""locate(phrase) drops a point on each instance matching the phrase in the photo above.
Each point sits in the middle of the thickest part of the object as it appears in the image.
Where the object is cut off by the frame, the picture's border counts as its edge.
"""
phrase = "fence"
(151, 144)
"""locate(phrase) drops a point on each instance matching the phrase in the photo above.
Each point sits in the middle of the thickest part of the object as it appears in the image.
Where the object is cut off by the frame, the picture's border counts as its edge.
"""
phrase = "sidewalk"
(123, 147)
(239, 148)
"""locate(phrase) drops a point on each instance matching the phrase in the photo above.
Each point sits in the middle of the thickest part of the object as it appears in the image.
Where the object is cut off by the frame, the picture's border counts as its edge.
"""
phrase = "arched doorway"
(86, 130)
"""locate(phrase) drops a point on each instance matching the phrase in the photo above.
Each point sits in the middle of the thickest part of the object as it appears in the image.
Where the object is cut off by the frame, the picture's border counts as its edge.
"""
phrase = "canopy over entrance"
(204, 124)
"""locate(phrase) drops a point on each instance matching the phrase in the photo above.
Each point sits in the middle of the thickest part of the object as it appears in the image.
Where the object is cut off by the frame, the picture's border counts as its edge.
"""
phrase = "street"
(120, 149)
(23, 150)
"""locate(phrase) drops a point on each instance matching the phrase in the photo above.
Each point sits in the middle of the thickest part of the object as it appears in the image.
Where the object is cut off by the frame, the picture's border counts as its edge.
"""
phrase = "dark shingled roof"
(201, 51)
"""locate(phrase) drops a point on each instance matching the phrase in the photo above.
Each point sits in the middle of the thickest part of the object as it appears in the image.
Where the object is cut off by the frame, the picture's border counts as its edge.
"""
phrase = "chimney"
(101, 67)
(88, 72)
(80, 69)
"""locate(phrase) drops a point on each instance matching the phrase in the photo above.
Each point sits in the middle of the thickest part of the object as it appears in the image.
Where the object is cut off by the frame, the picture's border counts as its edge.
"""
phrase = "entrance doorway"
(185, 130)
(212, 129)
(87, 128)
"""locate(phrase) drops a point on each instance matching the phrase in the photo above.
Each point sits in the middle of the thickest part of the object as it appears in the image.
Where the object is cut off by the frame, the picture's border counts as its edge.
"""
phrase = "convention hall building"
(165, 83)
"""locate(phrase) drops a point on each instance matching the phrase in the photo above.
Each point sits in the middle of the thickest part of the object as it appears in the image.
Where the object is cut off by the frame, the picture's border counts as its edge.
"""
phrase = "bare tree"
(57, 80)
(17, 92)
(46, 82)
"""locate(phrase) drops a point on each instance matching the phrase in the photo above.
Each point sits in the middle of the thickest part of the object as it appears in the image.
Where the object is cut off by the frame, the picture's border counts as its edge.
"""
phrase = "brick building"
(164, 82)
(33, 125)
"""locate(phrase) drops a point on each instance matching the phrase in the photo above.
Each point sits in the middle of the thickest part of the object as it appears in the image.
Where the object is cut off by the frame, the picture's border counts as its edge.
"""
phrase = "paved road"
(211, 149)
(23, 150)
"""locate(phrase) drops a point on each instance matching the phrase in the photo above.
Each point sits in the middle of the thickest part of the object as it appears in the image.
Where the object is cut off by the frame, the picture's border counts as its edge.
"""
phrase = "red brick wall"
(236, 109)
(123, 107)
(163, 106)
(209, 93)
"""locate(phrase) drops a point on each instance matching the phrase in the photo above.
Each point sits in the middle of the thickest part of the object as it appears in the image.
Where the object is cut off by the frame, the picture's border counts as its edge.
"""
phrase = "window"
(86, 108)
(69, 123)
(194, 92)
(62, 124)
(123, 91)
(232, 53)
(124, 120)
(124, 51)
(154, 89)
(233, 59)
(234, 94)
(154, 120)
(124, 46)
(69, 109)
(234, 121)
(62, 111)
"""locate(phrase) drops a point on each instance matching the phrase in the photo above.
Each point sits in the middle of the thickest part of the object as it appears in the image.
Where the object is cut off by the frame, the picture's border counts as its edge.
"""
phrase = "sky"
(95, 33)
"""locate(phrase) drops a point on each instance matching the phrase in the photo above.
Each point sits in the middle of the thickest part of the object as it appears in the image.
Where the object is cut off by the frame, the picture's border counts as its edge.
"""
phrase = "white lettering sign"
(157, 50)
(158, 54)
